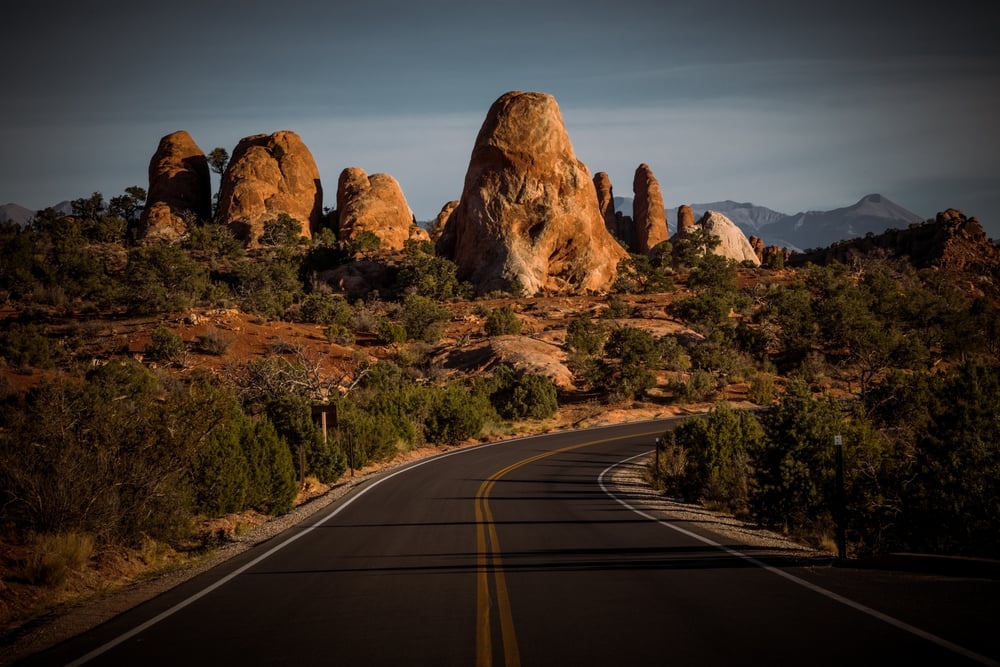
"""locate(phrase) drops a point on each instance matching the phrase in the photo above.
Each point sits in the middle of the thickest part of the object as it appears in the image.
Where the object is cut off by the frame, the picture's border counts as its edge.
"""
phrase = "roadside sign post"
(840, 511)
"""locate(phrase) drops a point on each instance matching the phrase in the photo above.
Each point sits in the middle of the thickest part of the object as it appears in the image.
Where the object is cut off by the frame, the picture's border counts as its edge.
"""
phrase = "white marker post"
(840, 511)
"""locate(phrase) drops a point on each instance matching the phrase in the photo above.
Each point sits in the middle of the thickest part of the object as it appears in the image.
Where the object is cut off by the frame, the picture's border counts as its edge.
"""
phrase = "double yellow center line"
(489, 561)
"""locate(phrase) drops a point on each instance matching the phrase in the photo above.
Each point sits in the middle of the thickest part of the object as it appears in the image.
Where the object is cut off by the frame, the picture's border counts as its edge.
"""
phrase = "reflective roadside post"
(840, 511)
(658, 442)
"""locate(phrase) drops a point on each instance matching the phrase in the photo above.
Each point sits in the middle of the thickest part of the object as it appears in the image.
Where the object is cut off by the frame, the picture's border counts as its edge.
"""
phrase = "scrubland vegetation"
(101, 449)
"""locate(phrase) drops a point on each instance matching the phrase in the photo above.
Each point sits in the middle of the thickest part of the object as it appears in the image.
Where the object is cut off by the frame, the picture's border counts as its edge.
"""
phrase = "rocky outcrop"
(441, 221)
(685, 219)
(757, 244)
(951, 241)
(270, 174)
(180, 189)
(528, 214)
(374, 204)
(732, 242)
(606, 202)
(648, 214)
(775, 256)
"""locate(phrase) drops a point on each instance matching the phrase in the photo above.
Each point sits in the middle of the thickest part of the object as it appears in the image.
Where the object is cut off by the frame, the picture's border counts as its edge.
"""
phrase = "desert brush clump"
(54, 556)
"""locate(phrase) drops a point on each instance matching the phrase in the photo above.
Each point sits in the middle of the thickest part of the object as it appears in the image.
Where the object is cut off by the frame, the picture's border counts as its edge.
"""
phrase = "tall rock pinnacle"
(529, 212)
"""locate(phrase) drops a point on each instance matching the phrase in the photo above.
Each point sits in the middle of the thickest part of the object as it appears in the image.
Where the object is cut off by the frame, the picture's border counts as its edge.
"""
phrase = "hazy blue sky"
(791, 105)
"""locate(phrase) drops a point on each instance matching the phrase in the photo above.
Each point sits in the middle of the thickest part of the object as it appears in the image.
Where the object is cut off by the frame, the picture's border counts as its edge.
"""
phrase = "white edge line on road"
(267, 554)
(857, 606)
(270, 552)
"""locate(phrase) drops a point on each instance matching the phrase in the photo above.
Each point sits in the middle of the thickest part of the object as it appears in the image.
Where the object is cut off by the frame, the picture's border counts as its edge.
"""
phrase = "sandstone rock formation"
(733, 243)
(374, 204)
(685, 219)
(524, 354)
(441, 221)
(757, 244)
(270, 174)
(606, 202)
(528, 213)
(648, 214)
(180, 189)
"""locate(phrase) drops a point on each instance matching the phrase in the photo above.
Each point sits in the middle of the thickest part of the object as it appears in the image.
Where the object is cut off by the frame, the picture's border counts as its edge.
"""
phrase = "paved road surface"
(514, 554)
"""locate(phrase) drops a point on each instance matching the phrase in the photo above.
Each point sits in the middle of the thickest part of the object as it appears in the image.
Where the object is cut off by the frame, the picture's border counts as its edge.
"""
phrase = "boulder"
(528, 214)
(733, 242)
(180, 189)
(270, 174)
(648, 215)
(374, 204)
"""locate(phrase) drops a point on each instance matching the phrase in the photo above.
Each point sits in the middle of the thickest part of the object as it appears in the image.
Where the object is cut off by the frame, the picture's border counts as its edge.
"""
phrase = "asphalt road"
(514, 554)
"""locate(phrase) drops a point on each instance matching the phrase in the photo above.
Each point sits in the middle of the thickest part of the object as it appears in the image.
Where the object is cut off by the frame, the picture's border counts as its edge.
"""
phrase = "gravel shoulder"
(628, 482)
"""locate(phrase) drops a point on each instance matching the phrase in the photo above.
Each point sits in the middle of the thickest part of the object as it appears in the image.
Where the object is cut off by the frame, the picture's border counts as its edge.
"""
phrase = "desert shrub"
(718, 450)
(365, 317)
(106, 456)
(700, 386)
(338, 333)
(501, 321)
(616, 309)
(641, 274)
(165, 345)
(705, 311)
(673, 355)
(762, 389)
(271, 472)
(389, 332)
(323, 308)
(525, 396)
(426, 274)
(794, 471)
(939, 489)
(281, 231)
(52, 557)
(163, 278)
(269, 285)
(292, 418)
(455, 414)
(220, 472)
(213, 342)
(422, 318)
(364, 243)
(213, 242)
(629, 354)
(25, 346)
(584, 335)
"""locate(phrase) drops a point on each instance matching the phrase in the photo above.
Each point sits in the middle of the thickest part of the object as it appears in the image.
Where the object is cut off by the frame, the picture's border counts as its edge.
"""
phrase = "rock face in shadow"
(529, 215)
(270, 174)
(374, 204)
(606, 202)
(180, 190)
(648, 214)
(439, 223)
(733, 242)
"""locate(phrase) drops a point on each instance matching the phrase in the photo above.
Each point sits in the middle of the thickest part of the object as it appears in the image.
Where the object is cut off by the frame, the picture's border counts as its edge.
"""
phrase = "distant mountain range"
(812, 229)
(19, 215)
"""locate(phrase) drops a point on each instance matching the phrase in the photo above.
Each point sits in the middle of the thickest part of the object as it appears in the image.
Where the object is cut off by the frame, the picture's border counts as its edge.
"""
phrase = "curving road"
(514, 554)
